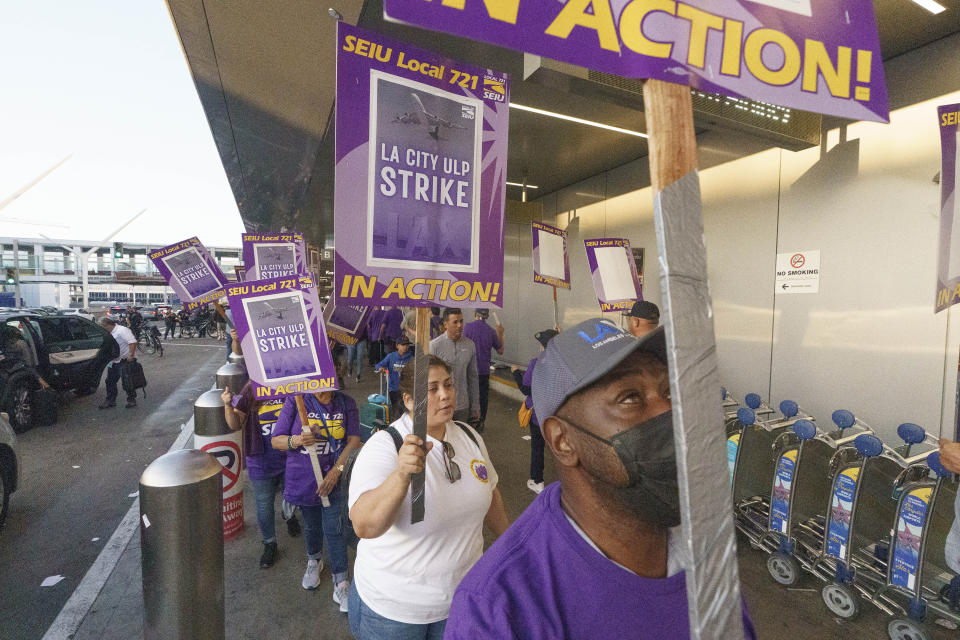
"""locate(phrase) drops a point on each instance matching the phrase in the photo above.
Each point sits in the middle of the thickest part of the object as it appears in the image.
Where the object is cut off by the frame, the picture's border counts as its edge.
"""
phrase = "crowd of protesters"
(600, 402)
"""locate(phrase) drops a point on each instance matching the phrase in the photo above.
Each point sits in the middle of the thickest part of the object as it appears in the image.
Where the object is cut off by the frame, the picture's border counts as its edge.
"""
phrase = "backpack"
(132, 376)
(349, 535)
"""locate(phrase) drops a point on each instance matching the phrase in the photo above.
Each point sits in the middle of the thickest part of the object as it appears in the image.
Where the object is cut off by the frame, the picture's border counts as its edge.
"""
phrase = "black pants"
(113, 377)
(484, 396)
(169, 331)
(374, 351)
(536, 452)
(396, 405)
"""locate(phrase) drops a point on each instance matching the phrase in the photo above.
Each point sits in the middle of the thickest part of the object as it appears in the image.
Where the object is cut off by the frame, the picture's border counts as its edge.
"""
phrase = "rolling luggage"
(375, 415)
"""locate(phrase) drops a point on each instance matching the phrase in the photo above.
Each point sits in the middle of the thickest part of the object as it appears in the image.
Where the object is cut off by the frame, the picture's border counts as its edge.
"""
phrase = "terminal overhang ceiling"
(265, 74)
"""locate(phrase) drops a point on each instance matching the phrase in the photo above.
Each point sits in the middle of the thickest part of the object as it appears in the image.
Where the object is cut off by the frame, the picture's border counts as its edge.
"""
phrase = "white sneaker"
(341, 594)
(536, 487)
(311, 577)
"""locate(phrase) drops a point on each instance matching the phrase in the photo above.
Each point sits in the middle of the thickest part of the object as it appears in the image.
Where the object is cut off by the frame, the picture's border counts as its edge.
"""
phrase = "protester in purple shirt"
(392, 329)
(599, 554)
(436, 322)
(374, 346)
(334, 426)
(524, 381)
(486, 339)
(265, 464)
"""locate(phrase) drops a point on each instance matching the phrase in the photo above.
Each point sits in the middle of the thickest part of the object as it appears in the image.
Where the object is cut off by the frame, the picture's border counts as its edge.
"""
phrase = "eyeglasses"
(451, 468)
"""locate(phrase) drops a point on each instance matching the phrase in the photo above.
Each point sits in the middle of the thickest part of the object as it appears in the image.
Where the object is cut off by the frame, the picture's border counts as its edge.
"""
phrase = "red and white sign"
(227, 449)
(798, 272)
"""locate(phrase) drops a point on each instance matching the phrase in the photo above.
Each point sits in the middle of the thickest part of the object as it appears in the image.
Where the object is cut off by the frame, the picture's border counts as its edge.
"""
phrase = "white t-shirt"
(409, 573)
(124, 338)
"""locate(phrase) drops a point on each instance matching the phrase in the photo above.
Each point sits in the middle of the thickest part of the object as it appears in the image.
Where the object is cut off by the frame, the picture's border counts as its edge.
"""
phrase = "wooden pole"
(312, 449)
(223, 314)
(421, 374)
(713, 584)
(556, 309)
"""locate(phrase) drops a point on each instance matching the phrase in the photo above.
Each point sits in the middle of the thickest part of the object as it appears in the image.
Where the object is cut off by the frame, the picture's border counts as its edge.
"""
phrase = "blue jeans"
(366, 624)
(265, 493)
(321, 522)
(355, 357)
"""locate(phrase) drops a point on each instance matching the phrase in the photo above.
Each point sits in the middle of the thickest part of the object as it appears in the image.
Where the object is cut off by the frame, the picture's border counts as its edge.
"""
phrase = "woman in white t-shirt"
(405, 574)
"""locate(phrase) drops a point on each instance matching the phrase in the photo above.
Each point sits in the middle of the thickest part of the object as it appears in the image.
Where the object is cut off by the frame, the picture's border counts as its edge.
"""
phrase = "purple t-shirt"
(392, 321)
(332, 424)
(270, 463)
(374, 322)
(542, 581)
(486, 338)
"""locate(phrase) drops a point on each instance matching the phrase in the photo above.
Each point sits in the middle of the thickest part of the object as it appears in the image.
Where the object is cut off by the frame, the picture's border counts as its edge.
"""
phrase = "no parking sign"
(226, 449)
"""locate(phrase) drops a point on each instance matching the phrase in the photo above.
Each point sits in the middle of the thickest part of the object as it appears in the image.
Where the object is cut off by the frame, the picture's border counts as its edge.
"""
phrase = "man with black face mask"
(598, 554)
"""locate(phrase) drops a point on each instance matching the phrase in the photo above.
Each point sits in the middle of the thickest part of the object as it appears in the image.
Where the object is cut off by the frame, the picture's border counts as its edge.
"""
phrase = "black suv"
(68, 351)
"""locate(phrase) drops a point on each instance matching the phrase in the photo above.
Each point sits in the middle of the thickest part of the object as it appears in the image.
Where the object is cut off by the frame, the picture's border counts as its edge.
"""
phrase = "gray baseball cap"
(583, 354)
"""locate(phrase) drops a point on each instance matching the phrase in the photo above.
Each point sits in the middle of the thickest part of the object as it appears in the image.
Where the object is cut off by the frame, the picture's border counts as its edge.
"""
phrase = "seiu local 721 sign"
(817, 56)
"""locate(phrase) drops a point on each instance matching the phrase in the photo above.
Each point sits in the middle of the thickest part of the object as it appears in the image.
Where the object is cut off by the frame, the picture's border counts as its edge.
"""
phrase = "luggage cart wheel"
(907, 629)
(784, 569)
(841, 600)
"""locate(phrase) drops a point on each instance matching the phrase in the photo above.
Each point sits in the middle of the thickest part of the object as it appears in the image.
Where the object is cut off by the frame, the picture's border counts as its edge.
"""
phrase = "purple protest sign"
(614, 272)
(421, 160)
(344, 322)
(280, 326)
(816, 56)
(948, 262)
(551, 263)
(190, 271)
(273, 255)
(240, 272)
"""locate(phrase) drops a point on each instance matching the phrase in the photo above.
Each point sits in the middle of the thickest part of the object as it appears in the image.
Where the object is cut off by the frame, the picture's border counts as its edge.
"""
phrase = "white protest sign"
(798, 272)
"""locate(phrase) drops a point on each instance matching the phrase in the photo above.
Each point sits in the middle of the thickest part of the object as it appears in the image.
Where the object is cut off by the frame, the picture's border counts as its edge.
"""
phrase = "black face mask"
(647, 453)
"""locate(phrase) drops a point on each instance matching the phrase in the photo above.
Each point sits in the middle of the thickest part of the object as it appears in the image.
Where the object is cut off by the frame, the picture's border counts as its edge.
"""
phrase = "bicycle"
(149, 341)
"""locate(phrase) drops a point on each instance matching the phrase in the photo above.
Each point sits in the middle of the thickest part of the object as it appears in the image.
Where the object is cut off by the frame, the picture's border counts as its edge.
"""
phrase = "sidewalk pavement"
(271, 603)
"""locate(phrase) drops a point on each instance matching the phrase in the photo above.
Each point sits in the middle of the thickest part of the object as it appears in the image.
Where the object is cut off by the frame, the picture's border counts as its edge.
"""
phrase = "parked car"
(69, 352)
(83, 313)
(9, 466)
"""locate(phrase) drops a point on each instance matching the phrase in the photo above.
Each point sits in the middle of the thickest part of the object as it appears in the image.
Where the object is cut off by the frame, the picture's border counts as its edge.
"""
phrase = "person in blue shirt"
(393, 364)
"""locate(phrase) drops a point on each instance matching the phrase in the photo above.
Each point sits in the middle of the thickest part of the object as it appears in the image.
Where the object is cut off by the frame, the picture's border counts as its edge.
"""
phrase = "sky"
(107, 81)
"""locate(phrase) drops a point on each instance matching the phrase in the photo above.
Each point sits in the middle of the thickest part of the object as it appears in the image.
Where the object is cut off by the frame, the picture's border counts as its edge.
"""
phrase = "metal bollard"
(181, 542)
(211, 434)
(232, 375)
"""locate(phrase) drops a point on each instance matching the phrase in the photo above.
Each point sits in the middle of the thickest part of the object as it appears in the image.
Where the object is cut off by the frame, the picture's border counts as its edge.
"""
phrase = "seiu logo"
(603, 330)
(494, 89)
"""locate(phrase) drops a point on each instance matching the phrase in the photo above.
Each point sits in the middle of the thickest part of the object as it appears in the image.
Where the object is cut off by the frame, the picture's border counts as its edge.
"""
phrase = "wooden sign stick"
(556, 309)
(223, 313)
(312, 449)
(421, 374)
(713, 583)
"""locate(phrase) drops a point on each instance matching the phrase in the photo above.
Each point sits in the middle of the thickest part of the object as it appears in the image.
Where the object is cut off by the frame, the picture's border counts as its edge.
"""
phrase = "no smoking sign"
(798, 272)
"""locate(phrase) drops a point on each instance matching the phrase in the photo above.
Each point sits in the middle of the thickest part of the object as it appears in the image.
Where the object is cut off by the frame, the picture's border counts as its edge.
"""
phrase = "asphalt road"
(77, 479)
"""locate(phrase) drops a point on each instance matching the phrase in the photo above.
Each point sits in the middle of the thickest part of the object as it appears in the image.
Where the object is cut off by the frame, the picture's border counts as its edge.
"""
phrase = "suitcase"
(375, 415)
(45, 403)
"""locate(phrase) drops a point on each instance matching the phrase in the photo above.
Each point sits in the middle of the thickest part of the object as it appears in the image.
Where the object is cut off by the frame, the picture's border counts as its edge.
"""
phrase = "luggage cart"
(917, 567)
(750, 452)
(862, 504)
(801, 484)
